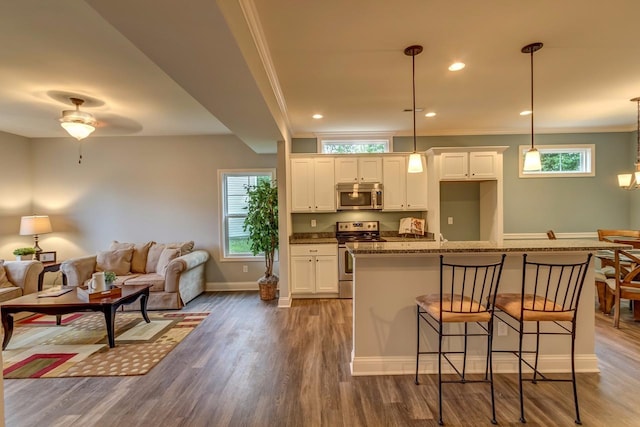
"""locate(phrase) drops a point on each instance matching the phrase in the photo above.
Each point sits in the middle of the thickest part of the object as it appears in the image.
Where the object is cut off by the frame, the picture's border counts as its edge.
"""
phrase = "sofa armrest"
(24, 274)
(77, 270)
(181, 264)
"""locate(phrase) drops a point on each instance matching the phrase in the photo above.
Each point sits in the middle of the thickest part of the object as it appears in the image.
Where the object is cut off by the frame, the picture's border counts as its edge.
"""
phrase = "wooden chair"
(551, 235)
(629, 237)
(627, 284)
(467, 295)
(550, 295)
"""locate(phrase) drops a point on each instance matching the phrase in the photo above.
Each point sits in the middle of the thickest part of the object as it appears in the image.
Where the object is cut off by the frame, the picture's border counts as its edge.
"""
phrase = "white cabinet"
(474, 165)
(314, 269)
(358, 169)
(403, 191)
(312, 185)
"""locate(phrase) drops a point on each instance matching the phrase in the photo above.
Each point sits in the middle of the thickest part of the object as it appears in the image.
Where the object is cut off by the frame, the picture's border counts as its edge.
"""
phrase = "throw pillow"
(166, 256)
(4, 280)
(153, 256)
(185, 247)
(118, 261)
(139, 257)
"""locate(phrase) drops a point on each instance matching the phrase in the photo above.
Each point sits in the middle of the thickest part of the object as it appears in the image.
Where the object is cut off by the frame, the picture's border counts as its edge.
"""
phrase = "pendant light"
(631, 181)
(415, 159)
(532, 157)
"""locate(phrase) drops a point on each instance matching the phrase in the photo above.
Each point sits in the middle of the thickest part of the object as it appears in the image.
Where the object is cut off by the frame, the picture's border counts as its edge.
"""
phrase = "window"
(562, 161)
(235, 241)
(354, 144)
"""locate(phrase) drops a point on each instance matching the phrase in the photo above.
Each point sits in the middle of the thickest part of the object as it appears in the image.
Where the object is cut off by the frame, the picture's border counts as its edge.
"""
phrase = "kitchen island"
(389, 275)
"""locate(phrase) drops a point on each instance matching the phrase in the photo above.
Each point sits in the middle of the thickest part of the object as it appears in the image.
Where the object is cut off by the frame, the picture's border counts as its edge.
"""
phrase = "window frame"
(590, 162)
(223, 219)
(354, 139)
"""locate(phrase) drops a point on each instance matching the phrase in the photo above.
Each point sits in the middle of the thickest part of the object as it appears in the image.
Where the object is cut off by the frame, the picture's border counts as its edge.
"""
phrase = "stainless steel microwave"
(366, 196)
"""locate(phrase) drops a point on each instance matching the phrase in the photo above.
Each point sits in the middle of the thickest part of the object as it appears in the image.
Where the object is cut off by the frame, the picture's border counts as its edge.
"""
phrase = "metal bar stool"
(467, 295)
(550, 293)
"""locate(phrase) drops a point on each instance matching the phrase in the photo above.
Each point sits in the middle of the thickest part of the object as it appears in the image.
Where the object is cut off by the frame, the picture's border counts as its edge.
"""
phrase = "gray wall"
(562, 204)
(460, 201)
(132, 189)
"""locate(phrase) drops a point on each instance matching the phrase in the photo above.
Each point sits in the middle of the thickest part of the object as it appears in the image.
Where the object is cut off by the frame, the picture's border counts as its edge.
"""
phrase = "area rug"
(79, 347)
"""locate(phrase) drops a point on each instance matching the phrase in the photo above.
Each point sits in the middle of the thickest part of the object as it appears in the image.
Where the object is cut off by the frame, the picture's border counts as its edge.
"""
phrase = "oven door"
(345, 264)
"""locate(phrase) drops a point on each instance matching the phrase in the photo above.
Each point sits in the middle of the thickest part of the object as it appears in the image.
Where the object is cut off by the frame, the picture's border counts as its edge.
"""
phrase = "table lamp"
(34, 225)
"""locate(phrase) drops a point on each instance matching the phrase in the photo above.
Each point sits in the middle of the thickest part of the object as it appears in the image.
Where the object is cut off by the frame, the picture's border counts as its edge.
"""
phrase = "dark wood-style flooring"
(252, 364)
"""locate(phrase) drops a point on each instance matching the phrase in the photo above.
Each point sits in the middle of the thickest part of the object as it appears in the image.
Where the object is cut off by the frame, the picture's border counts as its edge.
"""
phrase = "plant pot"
(24, 257)
(268, 287)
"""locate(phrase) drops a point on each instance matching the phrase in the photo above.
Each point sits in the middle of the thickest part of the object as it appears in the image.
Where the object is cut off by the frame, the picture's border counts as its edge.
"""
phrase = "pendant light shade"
(78, 123)
(415, 159)
(532, 157)
(631, 181)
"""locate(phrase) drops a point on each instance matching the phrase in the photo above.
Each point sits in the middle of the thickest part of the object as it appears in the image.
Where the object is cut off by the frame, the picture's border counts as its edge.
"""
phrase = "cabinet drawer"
(305, 250)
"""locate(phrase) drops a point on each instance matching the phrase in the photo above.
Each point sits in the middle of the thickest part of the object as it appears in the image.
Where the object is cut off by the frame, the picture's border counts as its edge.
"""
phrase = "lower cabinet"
(314, 269)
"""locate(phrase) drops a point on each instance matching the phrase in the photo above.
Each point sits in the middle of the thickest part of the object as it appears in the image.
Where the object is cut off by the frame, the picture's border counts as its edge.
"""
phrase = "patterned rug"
(79, 347)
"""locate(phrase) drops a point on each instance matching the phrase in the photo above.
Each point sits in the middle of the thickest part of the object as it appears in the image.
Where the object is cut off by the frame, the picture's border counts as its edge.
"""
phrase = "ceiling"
(259, 69)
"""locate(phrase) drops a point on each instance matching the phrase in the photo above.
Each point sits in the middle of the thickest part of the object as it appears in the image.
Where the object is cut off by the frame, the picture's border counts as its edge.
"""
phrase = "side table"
(49, 267)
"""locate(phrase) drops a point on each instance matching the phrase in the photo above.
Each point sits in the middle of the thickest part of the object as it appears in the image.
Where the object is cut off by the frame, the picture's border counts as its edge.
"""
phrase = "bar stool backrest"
(560, 285)
(467, 289)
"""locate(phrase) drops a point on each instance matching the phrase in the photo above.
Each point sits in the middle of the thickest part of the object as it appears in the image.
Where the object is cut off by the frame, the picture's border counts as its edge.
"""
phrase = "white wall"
(132, 189)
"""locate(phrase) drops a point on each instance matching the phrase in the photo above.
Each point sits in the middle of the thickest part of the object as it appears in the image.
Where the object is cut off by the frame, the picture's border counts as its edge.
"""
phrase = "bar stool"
(550, 293)
(467, 295)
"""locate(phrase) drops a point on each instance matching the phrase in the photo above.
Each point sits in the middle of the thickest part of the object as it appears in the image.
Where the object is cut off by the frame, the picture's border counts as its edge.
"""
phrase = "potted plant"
(109, 278)
(262, 224)
(24, 254)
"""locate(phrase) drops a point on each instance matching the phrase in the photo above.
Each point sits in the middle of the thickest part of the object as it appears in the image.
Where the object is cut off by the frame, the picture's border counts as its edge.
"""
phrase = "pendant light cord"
(413, 62)
(532, 51)
(638, 136)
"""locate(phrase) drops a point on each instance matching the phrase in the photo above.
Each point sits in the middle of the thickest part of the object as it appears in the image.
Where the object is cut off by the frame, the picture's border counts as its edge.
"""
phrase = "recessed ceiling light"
(526, 112)
(431, 114)
(317, 116)
(457, 66)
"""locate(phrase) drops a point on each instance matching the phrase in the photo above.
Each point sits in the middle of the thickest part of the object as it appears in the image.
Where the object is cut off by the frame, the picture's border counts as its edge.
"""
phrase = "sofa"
(175, 271)
(18, 278)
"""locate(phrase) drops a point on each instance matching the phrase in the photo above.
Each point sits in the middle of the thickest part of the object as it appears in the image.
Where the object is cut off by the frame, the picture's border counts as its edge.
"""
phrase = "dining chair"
(627, 283)
(551, 235)
(467, 295)
(550, 295)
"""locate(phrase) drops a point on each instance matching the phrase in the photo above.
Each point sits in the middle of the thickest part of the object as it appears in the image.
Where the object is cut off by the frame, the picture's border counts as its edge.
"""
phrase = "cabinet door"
(370, 169)
(346, 170)
(302, 183)
(417, 189)
(324, 187)
(394, 182)
(482, 165)
(326, 273)
(454, 166)
(303, 274)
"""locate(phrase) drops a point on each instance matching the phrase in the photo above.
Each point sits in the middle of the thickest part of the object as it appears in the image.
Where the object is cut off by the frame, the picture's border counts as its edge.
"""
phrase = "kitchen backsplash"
(326, 222)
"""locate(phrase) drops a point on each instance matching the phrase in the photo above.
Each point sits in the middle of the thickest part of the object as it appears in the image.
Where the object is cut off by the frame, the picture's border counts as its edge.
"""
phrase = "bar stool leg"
(522, 419)
(573, 374)
(535, 365)
(417, 341)
(464, 355)
(440, 374)
(490, 366)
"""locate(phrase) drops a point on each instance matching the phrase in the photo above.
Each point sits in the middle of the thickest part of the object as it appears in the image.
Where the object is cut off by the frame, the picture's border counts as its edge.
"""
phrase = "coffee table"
(72, 303)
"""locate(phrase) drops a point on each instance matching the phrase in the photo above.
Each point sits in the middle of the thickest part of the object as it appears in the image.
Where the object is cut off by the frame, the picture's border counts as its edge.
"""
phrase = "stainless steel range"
(352, 231)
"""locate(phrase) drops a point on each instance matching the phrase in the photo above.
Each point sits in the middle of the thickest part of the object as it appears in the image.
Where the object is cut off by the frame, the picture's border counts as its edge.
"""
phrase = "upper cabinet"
(403, 191)
(355, 170)
(312, 185)
(473, 165)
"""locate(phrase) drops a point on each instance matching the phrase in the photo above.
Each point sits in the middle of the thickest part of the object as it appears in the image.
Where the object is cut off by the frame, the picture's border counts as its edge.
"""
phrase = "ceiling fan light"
(78, 130)
(415, 163)
(532, 161)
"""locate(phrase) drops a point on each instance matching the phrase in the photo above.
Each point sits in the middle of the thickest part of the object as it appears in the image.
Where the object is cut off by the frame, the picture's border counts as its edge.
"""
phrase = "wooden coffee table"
(71, 303)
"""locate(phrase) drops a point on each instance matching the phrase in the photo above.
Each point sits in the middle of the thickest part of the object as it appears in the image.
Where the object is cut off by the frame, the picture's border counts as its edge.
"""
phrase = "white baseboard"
(502, 364)
(522, 236)
(231, 286)
(284, 302)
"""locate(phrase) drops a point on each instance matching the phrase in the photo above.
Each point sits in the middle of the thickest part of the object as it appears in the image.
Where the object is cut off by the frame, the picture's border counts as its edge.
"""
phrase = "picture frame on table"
(47, 256)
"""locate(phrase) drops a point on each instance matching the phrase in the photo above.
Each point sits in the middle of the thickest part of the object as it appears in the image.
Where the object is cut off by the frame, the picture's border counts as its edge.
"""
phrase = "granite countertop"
(312, 238)
(431, 247)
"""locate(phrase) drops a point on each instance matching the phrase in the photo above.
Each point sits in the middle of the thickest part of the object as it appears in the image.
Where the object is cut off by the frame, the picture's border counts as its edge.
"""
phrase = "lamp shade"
(415, 163)
(35, 224)
(532, 160)
(78, 130)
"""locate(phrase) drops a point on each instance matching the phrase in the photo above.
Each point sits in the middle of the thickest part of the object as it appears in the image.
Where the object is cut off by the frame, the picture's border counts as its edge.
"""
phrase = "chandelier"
(631, 181)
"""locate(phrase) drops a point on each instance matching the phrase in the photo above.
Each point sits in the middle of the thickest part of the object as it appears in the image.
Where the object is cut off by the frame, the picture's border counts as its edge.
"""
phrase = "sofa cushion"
(156, 250)
(118, 261)
(10, 293)
(167, 255)
(4, 280)
(139, 257)
(118, 282)
(155, 280)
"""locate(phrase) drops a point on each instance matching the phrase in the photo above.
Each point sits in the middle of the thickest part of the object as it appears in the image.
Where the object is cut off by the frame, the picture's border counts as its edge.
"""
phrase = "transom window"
(351, 144)
(235, 241)
(562, 160)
